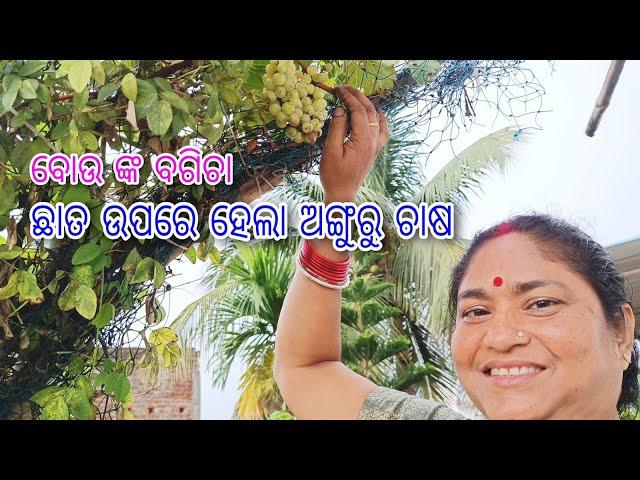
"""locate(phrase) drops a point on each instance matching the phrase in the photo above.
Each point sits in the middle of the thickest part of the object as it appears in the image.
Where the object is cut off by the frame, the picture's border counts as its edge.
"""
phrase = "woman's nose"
(504, 331)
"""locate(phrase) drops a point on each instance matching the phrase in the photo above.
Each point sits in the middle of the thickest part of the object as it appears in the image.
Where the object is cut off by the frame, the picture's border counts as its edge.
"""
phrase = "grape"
(298, 106)
(294, 120)
(288, 108)
(320, 104)
(291, 132)
(322, 77)
(321, 115)
(279, 79)
(274, 108)
(311, 138)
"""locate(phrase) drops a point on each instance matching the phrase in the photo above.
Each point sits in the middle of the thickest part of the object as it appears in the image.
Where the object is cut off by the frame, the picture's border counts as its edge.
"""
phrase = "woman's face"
(567, 363)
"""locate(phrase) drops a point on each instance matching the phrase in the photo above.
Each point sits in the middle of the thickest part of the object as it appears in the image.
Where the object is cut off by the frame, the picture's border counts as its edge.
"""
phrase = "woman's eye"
(475, 312)
(542, 304)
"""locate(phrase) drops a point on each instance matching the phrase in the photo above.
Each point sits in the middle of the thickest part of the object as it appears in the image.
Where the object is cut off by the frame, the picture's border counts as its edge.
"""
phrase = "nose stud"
(520, 333)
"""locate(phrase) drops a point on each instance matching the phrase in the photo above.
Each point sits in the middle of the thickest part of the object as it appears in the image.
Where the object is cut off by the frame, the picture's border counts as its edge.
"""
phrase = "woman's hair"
(561, 241)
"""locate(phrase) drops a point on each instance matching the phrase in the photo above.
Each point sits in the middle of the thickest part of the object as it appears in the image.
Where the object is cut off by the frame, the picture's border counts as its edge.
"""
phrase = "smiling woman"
(556, 340)
(543, 325)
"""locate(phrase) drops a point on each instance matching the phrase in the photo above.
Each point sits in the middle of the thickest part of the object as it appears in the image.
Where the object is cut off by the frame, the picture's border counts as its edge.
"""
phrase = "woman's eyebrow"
(473, 293)
(523, 287)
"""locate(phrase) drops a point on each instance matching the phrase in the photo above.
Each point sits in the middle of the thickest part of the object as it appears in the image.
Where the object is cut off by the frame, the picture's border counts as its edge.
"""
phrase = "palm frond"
(462, 175)
(422, 267)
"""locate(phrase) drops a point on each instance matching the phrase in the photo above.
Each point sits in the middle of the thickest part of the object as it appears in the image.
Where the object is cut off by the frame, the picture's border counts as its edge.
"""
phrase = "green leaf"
(80, 75)
(88, 140)
(176, 100)
(75, 367)
(144, 271)
(53, 285)
(47, 394)
(78, 404)
(86, 301)
(28, 89)
(10, 94)
(372, 76)
(97, 72)
(43, 94)
(423, 71)
(132, 261)
(85, 253)
(56, 409)
(12, 254)
(76, 193)
(83, 275)
(106, 91)
(83, 384)
(191, 254)
(159, 274)
(104, 316)
(25, 285)
(160, 117)
(32, 66)
(121, 386)
(7, 197)
(147, 98)
(60, 130)
(66, 300)
(129, 86)
(163, 84)
(163, 336)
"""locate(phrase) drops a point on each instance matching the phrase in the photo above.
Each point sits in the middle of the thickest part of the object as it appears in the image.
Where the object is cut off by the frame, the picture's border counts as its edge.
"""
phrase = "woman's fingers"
(383, 134)
(358, 114)
(372, 115)
(337, 131)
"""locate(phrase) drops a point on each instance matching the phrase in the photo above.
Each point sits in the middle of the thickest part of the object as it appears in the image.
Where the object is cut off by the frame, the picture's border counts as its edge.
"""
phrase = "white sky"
(593, 182)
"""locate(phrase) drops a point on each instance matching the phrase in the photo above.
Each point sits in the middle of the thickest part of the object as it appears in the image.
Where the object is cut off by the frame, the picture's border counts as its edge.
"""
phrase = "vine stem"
(317, 84)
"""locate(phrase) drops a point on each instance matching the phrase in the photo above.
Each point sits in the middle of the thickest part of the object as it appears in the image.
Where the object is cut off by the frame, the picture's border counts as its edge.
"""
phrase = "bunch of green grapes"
(297, 105)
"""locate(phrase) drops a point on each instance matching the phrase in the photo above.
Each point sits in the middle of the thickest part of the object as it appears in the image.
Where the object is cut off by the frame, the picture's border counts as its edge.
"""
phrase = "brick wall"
(168, 399)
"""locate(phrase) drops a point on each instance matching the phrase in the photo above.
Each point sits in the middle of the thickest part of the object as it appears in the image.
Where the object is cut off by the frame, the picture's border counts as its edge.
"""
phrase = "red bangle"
(335, 273)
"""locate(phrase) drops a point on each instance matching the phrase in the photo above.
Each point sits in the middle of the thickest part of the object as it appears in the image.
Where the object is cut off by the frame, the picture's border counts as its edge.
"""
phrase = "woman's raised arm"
(312, 380)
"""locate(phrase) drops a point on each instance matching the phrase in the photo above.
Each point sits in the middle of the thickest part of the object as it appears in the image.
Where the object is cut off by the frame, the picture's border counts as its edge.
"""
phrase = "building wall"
(169, 398)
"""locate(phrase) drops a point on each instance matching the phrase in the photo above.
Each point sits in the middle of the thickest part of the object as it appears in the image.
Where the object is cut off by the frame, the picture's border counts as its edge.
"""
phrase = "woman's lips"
(514, 375)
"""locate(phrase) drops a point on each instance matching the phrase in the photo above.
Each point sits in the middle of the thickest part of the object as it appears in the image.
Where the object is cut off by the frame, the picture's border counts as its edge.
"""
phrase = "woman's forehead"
(512, 257)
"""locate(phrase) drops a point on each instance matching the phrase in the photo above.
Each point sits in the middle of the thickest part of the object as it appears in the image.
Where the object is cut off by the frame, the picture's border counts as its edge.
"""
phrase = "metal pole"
(615, 69)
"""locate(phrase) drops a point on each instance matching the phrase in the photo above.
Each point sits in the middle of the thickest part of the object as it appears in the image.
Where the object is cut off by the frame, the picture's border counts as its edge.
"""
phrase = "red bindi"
(497, 281)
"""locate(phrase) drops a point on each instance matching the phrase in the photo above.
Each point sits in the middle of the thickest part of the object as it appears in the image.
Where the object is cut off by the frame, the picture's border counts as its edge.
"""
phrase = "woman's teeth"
(501, 372)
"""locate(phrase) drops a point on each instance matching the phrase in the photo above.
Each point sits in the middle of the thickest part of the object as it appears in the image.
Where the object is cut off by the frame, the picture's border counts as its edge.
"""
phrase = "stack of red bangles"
(321, 270)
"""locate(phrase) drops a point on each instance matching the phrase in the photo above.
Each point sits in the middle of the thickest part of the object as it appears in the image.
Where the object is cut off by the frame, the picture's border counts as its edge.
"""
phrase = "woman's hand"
(344, 166)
